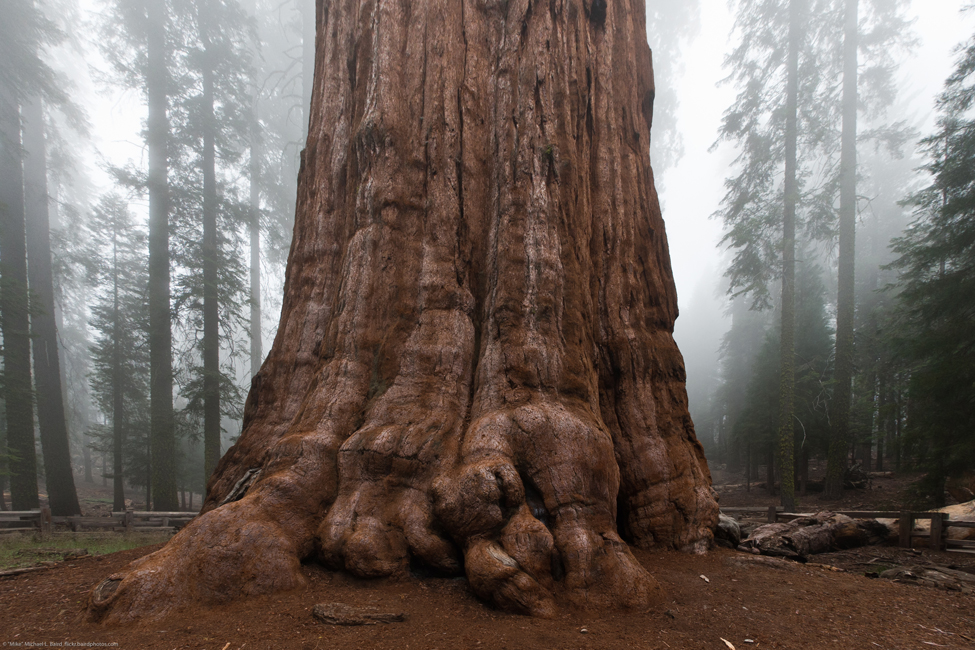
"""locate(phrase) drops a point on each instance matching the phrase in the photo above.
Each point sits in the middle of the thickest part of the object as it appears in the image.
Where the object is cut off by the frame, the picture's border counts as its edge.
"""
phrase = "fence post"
(127, 520)
(46, 526)
(906, 524)
(937, 531)
(772, 516)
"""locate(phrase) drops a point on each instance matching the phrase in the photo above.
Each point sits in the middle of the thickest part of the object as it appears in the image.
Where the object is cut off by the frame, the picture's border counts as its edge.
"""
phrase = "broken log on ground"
(819, 533)
(939, 577)
(342, 614)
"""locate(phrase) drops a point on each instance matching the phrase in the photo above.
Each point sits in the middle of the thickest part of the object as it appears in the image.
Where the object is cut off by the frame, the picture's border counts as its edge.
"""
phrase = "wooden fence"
(130, 520)
(135, 520)
(937, 535)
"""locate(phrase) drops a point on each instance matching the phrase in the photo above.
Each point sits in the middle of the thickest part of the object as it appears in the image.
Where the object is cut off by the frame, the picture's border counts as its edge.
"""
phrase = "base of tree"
(525, 545)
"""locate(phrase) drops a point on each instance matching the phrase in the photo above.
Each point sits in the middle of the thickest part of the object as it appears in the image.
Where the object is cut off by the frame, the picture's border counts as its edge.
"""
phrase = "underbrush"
(20, 550)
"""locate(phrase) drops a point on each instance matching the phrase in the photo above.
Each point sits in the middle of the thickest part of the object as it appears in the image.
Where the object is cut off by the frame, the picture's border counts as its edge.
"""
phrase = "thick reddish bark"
(474, 369)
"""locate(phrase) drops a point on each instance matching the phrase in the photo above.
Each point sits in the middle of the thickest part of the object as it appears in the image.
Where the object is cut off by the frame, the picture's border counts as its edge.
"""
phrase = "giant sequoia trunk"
(474, 369)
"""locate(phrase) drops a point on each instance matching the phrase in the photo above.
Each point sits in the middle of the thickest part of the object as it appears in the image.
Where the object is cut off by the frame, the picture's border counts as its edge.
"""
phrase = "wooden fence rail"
(24, 520)
(129, 520)
(41, 520)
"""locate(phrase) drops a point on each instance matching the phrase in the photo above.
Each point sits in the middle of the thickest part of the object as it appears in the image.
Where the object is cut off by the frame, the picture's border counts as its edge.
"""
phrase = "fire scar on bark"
(474, 370)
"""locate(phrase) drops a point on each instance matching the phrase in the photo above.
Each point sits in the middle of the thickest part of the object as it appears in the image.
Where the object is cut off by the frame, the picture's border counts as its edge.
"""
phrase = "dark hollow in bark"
(474, 370)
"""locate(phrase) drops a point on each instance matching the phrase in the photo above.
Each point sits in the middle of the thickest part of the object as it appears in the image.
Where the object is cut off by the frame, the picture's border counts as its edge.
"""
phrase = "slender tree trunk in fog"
(211, 312)
(884, 429)
(3, 447)
(14, 319)
(474, 370)
(86, 454)
(787, 377)
(257, 352)
(845, 295)
(748, 467)
(162, 431)
(803, 470)
(58, 474)
(118, 401)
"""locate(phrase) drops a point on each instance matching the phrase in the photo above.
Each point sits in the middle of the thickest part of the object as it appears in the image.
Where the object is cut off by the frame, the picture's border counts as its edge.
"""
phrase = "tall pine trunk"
(887, 406)
(257, 352)
(845, 296)
(58, 474)
(86, 457)
(211, 312)
(14, 319)
(162, 430)
(787, 376)
(118, 399)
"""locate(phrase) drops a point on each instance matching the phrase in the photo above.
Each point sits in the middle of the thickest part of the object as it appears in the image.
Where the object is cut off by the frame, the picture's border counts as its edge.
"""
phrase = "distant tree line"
(852, 294)
(151, 293)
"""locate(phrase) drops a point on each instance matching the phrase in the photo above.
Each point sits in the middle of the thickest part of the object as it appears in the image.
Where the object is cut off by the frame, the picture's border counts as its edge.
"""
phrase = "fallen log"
(938, 577)
(341, 614)
(59, 553)
(809, 535)
(27, 569)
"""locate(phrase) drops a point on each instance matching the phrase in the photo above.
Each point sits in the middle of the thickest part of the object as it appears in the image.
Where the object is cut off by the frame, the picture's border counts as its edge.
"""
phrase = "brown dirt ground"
(776, 605)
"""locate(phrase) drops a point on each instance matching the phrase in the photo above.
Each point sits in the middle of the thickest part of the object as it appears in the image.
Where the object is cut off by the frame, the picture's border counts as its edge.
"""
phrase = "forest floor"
(750, 602)
(894, 492)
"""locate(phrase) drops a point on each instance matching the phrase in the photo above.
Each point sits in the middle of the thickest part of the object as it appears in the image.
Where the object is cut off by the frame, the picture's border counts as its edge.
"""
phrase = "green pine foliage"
(756, 422)
(230, 51)
(119, 320)
(753, 212)
(754, 123)
(752, 208)
(738, 355)
(937, 289)
(230, 54)
(814, 347)
(24, 34)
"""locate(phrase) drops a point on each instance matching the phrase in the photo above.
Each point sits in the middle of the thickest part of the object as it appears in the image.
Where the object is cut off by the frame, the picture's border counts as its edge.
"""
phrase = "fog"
(690, 192)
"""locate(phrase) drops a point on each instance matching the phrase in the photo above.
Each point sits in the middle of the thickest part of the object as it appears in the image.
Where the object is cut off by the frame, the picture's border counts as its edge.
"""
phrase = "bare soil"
(774, 604)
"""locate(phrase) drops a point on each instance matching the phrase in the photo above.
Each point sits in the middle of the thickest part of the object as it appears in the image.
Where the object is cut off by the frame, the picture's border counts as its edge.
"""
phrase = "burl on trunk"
(474, 370)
